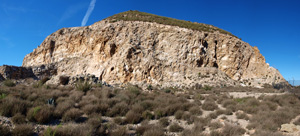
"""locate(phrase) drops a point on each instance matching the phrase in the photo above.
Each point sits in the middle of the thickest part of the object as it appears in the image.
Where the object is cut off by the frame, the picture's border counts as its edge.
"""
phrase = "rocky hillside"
(141, 48)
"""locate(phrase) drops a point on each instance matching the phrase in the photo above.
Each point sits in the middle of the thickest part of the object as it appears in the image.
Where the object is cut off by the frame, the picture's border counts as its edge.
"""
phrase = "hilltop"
(134, 15)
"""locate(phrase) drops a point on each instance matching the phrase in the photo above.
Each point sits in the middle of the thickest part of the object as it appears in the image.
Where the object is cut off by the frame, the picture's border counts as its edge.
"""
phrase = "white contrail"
(88, 12)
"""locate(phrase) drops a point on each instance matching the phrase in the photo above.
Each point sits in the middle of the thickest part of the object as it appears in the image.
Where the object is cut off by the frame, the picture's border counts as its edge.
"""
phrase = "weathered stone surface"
(14, 72)
(44, 70)
(150, 53)
(290, 128)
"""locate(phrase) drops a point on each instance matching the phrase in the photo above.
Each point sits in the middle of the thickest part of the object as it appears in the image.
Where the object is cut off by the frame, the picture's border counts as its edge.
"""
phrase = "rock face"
(13, 72)
(149, 53)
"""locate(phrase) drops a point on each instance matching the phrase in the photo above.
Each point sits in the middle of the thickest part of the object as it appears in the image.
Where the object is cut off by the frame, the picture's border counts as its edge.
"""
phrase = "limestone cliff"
(139, 52)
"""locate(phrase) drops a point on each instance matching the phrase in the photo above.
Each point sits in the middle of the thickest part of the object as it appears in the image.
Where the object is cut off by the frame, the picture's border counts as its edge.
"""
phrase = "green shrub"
(2, 96)
(9, 83)
(150, 87)
(175, 128)
(83, 86)
(207, 88)
(50, 131)
(167, 90)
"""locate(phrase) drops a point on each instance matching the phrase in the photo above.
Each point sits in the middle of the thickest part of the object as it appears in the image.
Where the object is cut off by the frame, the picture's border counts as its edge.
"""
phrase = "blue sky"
(271, 25)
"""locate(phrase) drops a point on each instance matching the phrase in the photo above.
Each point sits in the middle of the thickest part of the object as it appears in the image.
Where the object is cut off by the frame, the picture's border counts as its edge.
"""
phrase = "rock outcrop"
(14, 72)
(150, 53)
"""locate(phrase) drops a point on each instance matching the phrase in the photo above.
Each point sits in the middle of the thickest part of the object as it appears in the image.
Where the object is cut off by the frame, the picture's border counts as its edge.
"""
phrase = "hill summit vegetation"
(134, 15)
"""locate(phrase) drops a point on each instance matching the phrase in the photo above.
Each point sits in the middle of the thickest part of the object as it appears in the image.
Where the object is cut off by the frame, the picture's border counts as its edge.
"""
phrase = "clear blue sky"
(271, 25)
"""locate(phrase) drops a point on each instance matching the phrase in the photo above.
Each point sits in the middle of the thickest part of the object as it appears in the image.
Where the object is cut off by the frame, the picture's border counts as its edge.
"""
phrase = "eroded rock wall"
(151, 53)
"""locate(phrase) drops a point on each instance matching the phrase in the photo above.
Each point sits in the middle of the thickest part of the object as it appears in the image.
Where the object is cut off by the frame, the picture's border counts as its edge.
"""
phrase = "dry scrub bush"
(4, 131)
(146, 129)
(240, 115)
(9, 83)
(19, 119)
(209, 105)
(120, 131)
(175, 128)
(62, 107)
(213, 115)
(215, 125)
(119, 109)
(195, 110)
(178, 114)
(133, 118)
(164, 122)
(154, 132)
(23, 130)
(10, 106)
(72, 115)
(228, 102)
(74, 130)
(147, 115)
(232, 130)
(41, 114)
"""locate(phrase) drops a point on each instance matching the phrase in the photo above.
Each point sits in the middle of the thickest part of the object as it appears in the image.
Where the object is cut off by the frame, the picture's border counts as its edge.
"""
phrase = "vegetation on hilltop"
(146, 17)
